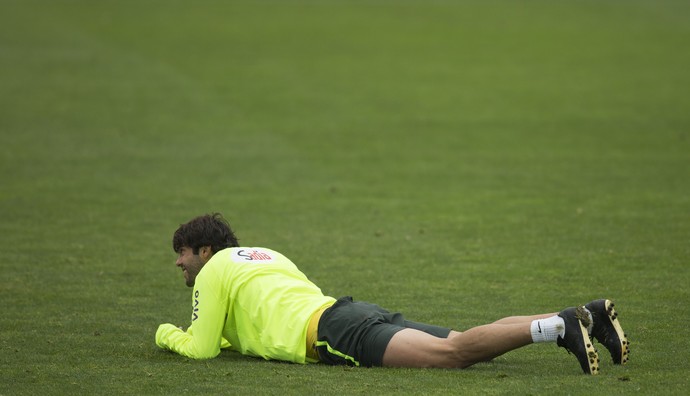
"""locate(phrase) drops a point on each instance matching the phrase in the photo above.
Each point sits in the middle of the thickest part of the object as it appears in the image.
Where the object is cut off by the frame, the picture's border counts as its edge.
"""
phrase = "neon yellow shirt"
(251, 300)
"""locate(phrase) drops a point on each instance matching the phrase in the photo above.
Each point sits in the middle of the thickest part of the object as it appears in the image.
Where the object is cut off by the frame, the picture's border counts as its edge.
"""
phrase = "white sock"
(548, 329)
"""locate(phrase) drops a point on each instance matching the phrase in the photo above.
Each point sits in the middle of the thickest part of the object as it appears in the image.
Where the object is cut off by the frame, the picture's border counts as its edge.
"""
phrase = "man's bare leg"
(523, 319)
(568, 329)
(414, 348)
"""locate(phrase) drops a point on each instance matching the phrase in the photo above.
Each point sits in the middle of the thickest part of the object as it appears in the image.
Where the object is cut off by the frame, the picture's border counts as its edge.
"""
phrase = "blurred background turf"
(456, 160)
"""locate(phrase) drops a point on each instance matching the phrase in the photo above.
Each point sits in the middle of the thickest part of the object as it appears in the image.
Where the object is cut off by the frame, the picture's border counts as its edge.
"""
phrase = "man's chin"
(188, 279)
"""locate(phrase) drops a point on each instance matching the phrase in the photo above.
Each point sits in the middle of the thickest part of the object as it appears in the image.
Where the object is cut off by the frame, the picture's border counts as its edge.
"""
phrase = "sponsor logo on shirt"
(195, 307)
(252, 255)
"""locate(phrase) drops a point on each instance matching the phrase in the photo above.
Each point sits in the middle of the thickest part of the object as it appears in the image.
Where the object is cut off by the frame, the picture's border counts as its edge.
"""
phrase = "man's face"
(190, 264)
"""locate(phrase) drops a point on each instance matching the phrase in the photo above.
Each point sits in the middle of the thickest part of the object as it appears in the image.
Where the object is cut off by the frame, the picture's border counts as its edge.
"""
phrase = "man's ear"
(205, 252)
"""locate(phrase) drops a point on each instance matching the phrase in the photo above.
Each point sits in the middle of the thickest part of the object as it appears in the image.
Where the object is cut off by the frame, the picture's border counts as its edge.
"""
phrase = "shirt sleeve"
(203, 338)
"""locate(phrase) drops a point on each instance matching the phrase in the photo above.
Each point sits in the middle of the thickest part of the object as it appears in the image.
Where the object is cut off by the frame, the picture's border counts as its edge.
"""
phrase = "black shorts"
(357, 333)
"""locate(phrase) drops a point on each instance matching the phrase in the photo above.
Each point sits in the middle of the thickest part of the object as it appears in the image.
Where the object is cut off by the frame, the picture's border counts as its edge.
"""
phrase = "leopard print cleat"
(608, 331)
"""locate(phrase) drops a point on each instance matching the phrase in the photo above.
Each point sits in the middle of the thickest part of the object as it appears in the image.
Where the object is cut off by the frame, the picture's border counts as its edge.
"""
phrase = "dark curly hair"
(207, 230)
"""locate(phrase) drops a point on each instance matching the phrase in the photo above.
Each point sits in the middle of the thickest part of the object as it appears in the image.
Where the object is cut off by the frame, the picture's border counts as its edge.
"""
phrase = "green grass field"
(458, 161)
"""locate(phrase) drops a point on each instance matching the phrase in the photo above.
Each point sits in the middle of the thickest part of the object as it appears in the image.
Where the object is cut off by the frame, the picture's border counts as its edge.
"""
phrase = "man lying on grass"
(255, 301)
